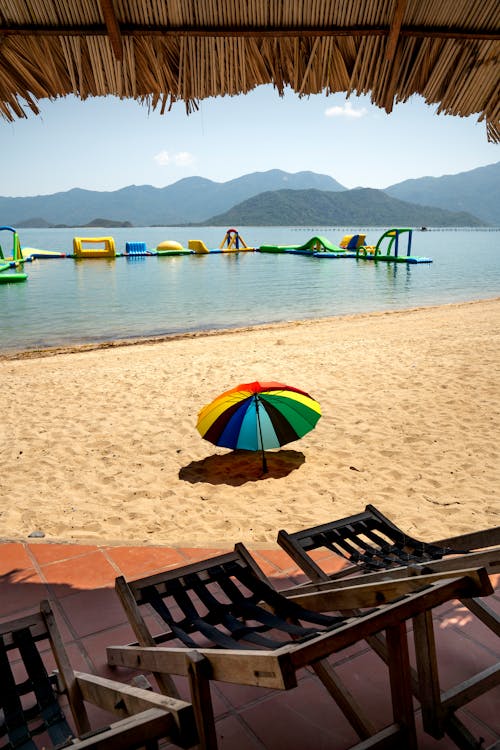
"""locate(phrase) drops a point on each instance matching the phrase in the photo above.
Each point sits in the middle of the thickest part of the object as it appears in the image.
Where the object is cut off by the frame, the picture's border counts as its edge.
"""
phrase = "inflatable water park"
(390, 248)
(321, 247)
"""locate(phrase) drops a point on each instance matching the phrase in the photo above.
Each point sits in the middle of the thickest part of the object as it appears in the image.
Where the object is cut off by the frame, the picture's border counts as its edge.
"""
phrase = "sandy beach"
(101, 444)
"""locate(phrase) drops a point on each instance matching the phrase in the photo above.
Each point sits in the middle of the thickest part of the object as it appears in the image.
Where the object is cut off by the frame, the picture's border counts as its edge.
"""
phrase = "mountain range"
(476, 191)
(270, 198)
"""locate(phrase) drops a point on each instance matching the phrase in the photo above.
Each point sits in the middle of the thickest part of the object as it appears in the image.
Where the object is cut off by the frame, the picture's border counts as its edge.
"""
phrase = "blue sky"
(105, 144)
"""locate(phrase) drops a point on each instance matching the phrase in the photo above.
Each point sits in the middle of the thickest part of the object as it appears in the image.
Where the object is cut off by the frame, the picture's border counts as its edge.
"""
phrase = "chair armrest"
(326, 597)
(475, 540)
(132, 731)
(126, 700)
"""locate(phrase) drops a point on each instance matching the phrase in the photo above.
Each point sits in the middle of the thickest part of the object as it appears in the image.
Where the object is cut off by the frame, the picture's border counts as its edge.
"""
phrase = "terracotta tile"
(93, 611)
(77, 658)
(481, 716)
(426, 742)
(95, 647)
(239, 695)
(232, 733)
(136, 562)
(278, 558)
(459, 658)
(489, 732)
(367, 678)
(305, 717)
(13, 557)
(20, 591)
(282, 582)
(461, 619)
(197, 554)
(88, 571)
(48, 553)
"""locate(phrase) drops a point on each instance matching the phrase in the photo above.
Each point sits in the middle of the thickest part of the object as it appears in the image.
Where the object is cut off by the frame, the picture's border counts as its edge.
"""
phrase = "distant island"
(43, 224)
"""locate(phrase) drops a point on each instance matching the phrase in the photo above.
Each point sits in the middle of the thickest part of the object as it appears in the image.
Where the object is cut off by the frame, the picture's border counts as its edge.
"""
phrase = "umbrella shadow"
(240, 466)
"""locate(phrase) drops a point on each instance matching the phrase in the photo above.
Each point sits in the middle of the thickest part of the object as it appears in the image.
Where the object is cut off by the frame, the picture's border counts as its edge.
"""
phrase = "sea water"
(68, 302)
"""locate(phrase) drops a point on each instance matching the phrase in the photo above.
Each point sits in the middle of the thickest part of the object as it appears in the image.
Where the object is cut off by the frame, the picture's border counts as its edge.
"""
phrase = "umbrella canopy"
(258, 416)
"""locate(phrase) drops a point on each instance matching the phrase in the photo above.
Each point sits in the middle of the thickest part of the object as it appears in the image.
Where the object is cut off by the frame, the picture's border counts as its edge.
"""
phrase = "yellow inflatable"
(108, 251)
(198, 246)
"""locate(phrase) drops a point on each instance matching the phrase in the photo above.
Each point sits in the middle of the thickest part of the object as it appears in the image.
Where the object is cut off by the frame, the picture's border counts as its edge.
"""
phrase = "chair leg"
(429, 692)
(199, 673)
(484, 613)
(345, 701)
(400, 677)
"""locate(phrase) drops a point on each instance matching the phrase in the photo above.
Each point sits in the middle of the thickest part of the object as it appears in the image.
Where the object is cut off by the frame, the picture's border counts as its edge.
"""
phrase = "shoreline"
(53, 351)
(100, 444)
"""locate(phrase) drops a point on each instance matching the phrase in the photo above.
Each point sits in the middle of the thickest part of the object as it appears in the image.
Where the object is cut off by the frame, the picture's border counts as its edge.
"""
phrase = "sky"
(105, 144)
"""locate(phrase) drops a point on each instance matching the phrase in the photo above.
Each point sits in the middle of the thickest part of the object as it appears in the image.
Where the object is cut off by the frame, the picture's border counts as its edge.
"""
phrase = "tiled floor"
(78, 580)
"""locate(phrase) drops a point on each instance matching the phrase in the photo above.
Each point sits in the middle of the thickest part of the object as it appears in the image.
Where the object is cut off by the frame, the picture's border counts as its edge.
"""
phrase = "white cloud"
(181, 159)
(346, 110)
(162, 158)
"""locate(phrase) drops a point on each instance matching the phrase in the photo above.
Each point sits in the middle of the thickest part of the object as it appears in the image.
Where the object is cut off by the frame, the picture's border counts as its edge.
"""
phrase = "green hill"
(362, 207)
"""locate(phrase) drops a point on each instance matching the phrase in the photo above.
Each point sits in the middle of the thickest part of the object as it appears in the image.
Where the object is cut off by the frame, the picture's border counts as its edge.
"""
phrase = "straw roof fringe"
(162, 51)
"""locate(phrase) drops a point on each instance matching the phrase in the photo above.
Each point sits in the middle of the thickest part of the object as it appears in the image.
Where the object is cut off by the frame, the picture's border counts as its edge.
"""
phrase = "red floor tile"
(20, 590)
(279, 558)
(136, 562)
(305, 717)
(87, 571)
(196, 554)
(93, 611)
(233, 733)
(49, 553)
(13, 556)
(95, 647)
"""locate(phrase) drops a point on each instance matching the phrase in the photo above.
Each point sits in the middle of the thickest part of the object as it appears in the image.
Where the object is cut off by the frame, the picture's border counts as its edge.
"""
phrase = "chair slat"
(14, 722)
(54, 719)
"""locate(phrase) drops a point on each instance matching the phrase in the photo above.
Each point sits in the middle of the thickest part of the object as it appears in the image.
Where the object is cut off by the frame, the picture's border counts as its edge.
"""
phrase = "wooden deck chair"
(371, 543)
(30, 704)
(222, 620)
(375, 548)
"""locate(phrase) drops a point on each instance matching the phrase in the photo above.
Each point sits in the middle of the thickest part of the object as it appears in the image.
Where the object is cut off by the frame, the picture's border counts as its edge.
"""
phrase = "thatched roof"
(160, 51)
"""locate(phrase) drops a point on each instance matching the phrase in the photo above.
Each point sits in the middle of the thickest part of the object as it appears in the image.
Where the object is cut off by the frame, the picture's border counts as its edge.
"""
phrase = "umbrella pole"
(264, 461)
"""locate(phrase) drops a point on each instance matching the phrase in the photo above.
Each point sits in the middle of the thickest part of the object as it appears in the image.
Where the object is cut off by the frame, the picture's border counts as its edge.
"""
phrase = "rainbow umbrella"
(258, 416)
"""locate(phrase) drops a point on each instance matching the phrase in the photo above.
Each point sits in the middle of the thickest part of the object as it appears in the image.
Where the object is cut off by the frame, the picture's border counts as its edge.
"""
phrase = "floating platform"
(343, 254)
(184, 251)
(273, 249)
(137, 249)
(393, 259)
(10, 278)
(171, 247)
(31, 253)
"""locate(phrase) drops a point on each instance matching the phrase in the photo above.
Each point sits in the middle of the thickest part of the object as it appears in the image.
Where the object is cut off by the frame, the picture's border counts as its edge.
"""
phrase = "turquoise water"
(67, 302)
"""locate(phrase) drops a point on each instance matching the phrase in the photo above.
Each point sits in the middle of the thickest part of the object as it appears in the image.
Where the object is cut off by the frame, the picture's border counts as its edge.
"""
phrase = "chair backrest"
(368, 540)
(223, 601)
(28, 694)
